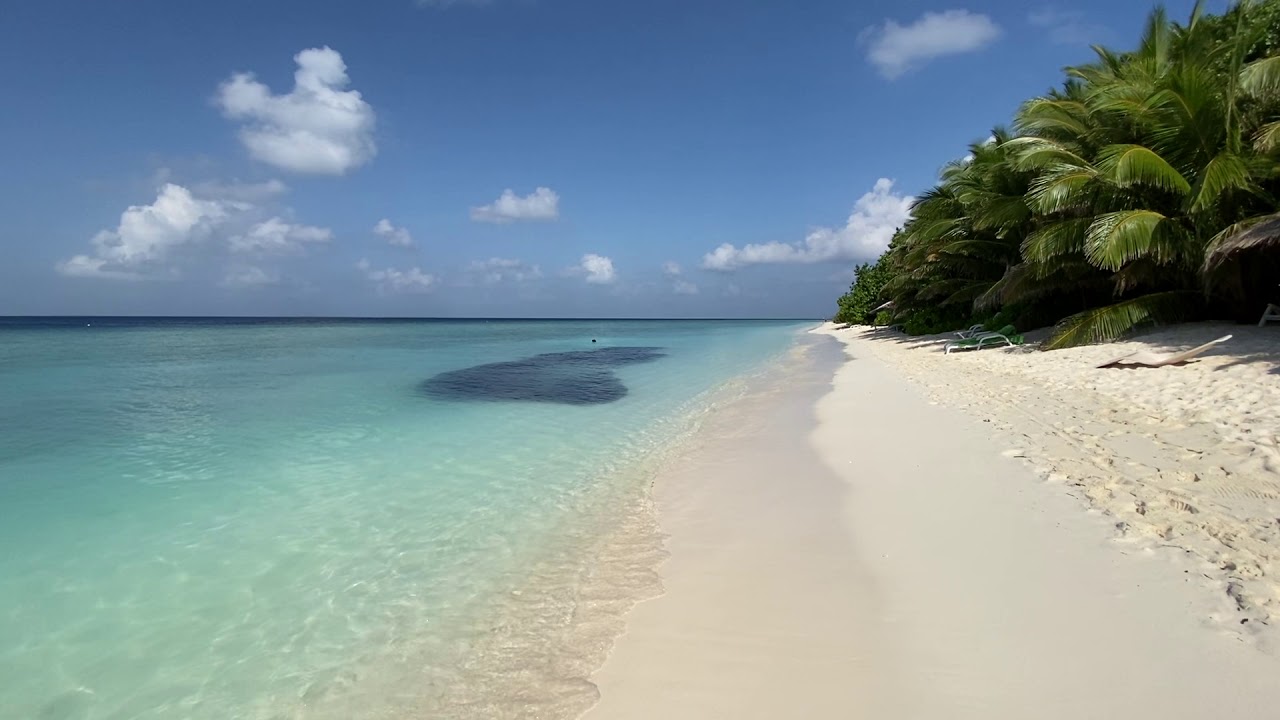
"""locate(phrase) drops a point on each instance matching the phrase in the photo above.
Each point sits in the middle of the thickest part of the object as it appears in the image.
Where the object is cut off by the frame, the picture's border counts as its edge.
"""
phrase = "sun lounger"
(1005, 336)
(1154, 359)
(970, 332)
(1271, 314)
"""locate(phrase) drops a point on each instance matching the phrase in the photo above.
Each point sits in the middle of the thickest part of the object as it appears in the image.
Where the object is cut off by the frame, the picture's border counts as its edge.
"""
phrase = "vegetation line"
(1143, 190)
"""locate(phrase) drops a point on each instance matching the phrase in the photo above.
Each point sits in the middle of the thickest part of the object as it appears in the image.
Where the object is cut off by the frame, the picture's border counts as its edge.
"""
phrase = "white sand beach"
(995, 534)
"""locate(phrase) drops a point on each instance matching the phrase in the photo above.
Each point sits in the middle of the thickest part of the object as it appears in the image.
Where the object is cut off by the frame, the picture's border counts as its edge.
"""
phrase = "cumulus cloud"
(596, 269)
(866, 234)
(671, 269)
(896, 49)
(277, 237)
(542, 204)
(393, 280)
(248, 276)
(396, 236)
(684, 287)
(496, 270)
(147, 235)
(318, 127)
(151, 241)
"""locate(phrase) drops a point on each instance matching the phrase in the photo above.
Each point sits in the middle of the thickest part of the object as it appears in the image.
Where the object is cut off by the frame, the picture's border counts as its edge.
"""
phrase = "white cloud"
(152, 241)
(895, 49)
(1067, 27)
(147, 235)
(496, 270)
(597, 269)
(679, 286)
(277, 237)
(316, 128)
(866, 234)
(396, 236)
(684, 287)
(95, 267)
(238, 192)
(542, 204)
(393, 280)
(249, 276)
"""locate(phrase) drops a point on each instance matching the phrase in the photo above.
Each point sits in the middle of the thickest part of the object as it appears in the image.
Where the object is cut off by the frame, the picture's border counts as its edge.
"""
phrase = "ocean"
(270, 519)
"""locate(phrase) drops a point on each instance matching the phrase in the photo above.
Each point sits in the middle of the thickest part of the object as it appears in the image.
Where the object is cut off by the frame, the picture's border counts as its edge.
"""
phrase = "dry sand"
(960, 537)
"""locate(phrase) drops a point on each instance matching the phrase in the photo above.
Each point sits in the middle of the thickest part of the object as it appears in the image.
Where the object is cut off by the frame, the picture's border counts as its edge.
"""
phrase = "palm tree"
(1126, 195)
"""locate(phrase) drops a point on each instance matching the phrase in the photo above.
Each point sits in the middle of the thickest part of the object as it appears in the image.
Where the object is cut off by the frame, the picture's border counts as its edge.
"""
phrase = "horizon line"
(387, 317)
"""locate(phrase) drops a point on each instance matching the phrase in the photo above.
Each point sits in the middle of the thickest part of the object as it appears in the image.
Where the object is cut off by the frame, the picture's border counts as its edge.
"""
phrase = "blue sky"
(600, 158)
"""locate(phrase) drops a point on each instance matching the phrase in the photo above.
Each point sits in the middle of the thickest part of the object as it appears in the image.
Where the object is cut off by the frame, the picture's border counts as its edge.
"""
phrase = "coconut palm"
(1126, 197)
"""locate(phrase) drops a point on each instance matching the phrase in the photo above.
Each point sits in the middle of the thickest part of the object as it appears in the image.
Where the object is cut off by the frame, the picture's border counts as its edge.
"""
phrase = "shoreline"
(873, 553)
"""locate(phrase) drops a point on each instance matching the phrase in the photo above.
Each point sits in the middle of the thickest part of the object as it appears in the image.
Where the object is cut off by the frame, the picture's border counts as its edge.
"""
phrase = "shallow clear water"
(204, 519)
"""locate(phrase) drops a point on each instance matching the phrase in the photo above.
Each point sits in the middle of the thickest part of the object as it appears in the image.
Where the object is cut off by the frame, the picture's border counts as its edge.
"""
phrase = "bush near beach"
(1145, 189)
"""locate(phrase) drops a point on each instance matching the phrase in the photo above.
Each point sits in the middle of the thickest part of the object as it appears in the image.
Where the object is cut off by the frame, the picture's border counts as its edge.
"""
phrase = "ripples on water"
(284, 520)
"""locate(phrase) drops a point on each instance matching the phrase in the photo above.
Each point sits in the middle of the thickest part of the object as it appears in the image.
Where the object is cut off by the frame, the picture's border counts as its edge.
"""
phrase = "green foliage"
(855, 307)
(931, 320)
(1101, 210)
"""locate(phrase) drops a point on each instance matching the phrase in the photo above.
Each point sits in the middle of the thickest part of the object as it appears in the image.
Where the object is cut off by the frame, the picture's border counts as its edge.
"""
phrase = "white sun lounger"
(1271, 314)
(970, 332)
(983, 339)
(1154, 359)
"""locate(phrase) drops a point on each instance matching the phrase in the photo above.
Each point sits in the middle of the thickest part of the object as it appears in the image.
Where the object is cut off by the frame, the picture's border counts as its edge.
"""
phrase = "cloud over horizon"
(897, 49)
(876, 216)
(316, 128)
(541, 205)
(147, 235)
(154, 241)
(395, 236)
(249, 276)
(498, 269)
(596, 269)
(392, 280)
(277, 237)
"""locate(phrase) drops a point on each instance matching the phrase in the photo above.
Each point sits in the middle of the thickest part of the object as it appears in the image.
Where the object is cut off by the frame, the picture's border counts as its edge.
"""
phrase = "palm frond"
(1002, 212)
(1056, 240)
(1062, 188)
(1053, 116)
(1117, 237)
(1129, 165)
(1261, 78)
(976, 247)
(1223, 173)
(1035, 153)
(1251, 234)
(1267, 138)
(1108, 323)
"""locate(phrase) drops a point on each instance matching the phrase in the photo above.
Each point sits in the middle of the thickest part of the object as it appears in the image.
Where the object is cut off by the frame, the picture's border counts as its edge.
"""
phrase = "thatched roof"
(1265, 233)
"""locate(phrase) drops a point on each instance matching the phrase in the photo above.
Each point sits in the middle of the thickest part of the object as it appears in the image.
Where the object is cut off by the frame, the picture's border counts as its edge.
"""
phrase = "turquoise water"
(274, 520)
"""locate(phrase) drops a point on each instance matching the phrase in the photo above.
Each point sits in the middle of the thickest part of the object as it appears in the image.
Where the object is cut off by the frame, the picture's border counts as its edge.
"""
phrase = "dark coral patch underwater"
(582, 377)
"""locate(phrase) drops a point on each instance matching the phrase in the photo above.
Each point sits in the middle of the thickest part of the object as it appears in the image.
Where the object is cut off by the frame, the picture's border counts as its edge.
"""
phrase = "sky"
(494, 158)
